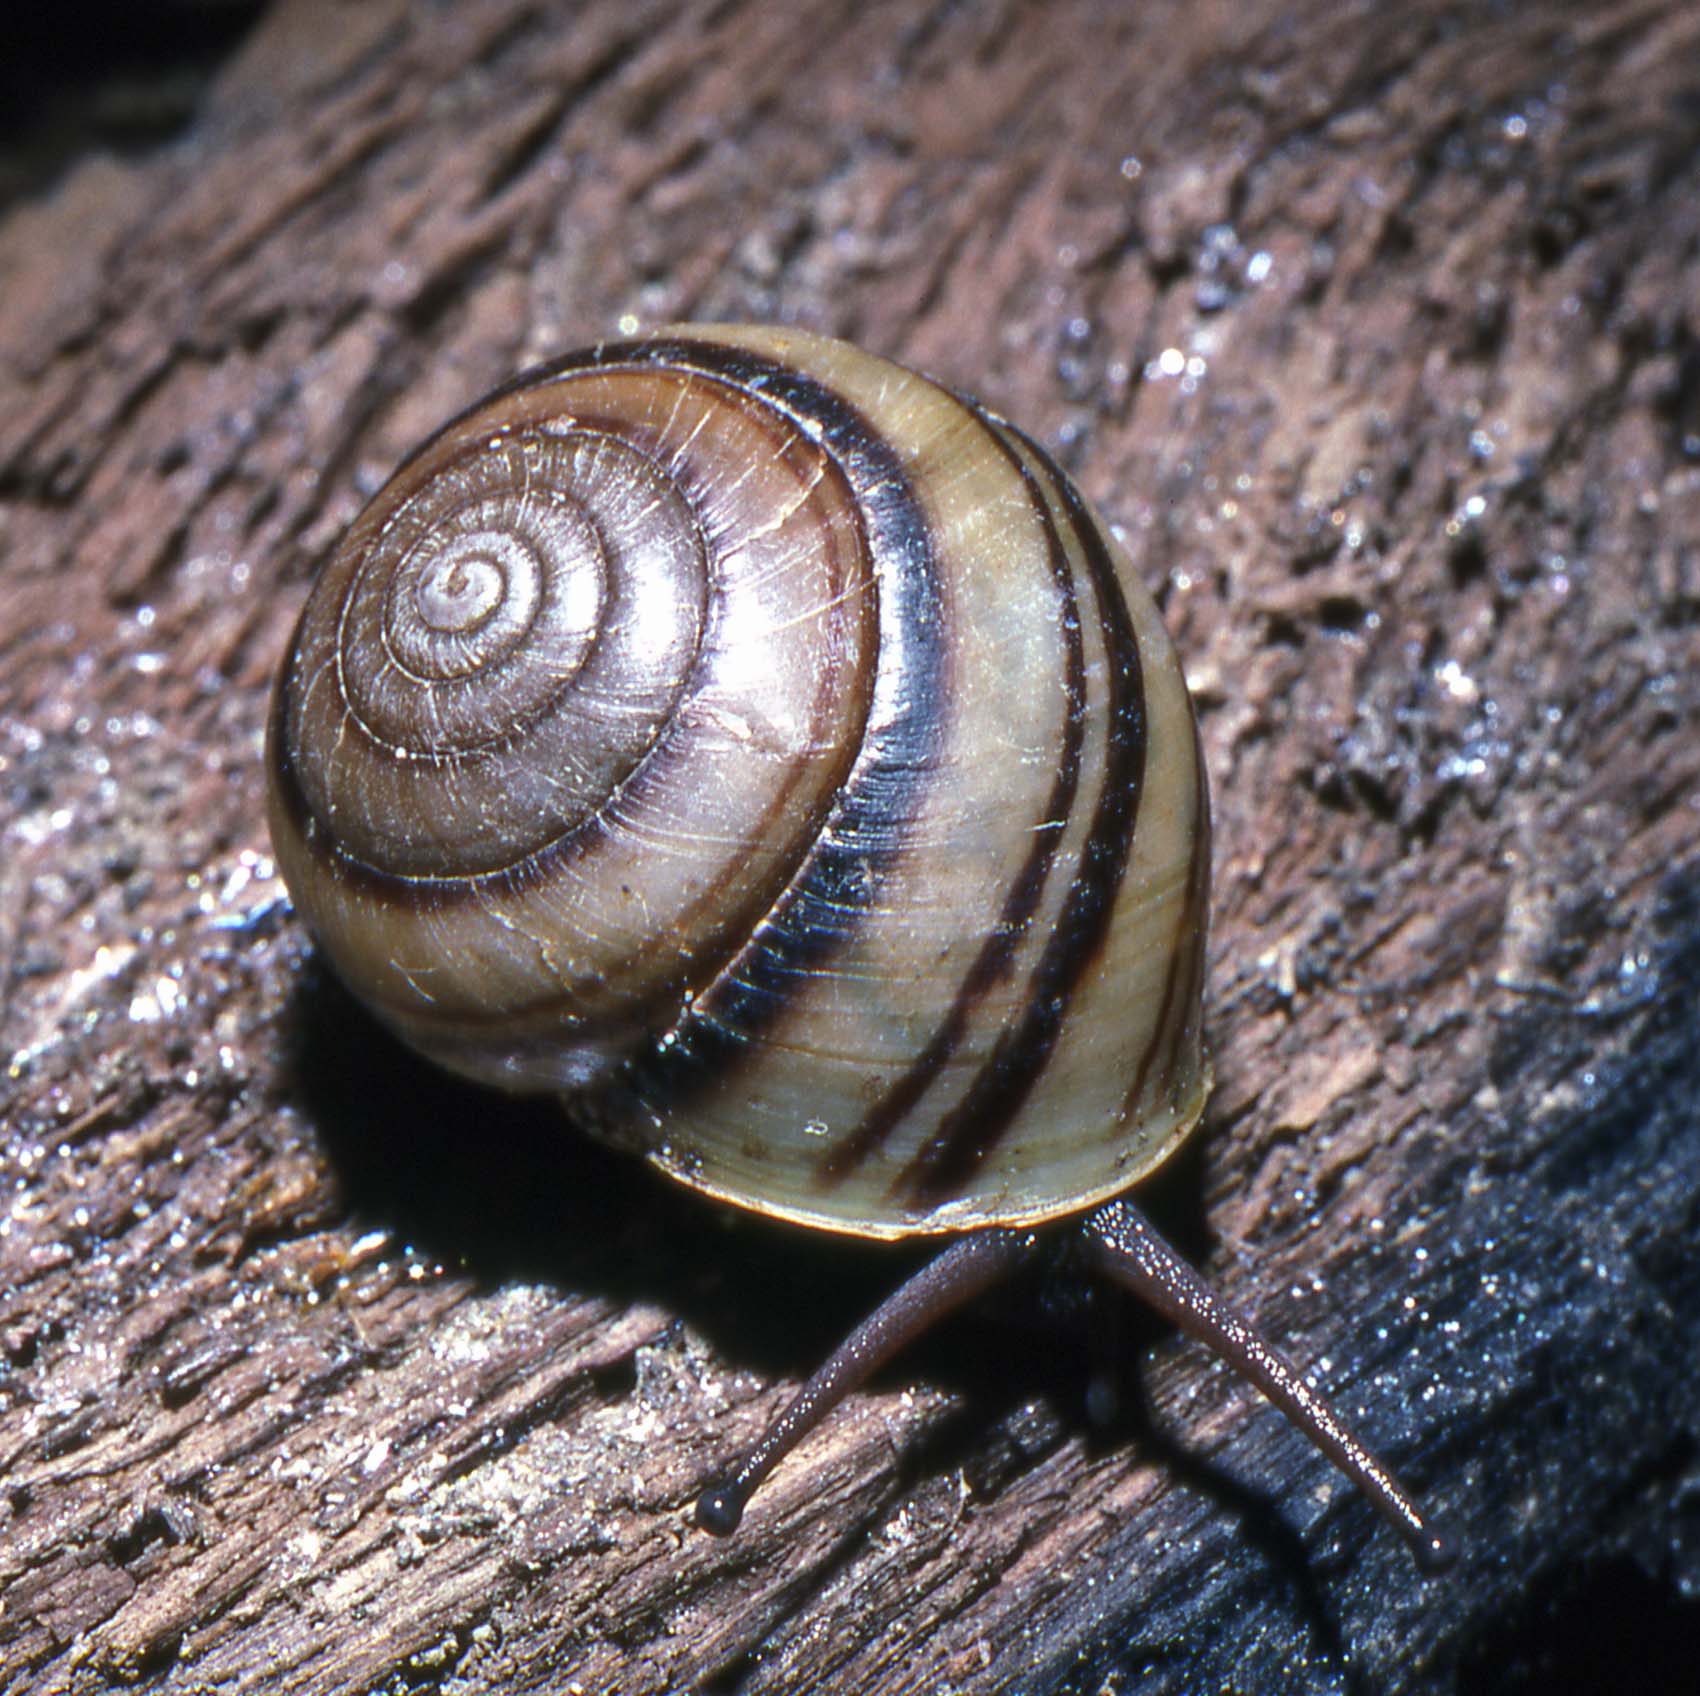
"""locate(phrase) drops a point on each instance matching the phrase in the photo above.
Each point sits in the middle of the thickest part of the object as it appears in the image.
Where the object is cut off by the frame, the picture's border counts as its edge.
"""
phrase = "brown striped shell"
(770, 751)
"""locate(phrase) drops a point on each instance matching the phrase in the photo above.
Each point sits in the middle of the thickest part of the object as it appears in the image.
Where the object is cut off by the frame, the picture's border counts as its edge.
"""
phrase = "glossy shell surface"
(771, 752)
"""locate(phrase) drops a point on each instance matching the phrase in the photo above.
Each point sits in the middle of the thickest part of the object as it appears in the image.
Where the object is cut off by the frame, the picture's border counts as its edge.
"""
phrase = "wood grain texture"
(1378, 331)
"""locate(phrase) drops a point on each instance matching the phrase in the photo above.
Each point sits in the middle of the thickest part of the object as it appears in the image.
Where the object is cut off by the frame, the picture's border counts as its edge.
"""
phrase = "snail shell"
(772, 752)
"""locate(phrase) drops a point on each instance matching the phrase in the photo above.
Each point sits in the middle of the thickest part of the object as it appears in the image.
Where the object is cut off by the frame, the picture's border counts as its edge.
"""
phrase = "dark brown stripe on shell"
(868, 830)
(946, 1165)
(997, 953)
(1184, 983)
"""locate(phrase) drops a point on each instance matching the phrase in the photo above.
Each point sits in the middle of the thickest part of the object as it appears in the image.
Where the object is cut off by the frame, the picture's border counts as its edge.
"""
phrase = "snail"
(770, 752)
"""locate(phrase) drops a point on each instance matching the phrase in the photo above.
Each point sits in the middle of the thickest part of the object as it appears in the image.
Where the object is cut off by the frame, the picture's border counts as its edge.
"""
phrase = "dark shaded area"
(507, 1188)
(1592, 1632)
(92, 74)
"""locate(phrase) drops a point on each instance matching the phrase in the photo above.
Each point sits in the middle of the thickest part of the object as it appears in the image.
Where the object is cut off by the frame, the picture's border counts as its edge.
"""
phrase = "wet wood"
(1377, 331)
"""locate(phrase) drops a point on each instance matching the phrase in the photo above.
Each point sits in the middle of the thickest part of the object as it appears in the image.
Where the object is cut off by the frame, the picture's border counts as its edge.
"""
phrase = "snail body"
(772, 753)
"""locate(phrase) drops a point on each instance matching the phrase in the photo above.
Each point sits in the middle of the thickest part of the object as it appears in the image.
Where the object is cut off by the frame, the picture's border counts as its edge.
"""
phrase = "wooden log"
(1378, 329)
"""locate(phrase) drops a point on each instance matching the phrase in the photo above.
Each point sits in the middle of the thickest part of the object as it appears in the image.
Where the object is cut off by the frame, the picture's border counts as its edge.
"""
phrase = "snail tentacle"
(965, 1270)
(1127, 1247)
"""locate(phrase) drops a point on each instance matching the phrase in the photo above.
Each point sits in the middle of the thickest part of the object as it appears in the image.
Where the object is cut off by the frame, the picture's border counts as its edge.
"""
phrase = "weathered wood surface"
(1377, 329)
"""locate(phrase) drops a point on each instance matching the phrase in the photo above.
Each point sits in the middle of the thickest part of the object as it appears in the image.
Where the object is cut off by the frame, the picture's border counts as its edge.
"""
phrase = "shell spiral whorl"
(772, 751)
